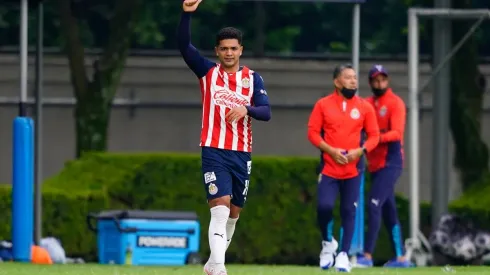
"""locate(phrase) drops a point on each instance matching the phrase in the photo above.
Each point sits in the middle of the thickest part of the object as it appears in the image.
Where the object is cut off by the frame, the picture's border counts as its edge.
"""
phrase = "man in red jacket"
(335, 127)
(385, 163)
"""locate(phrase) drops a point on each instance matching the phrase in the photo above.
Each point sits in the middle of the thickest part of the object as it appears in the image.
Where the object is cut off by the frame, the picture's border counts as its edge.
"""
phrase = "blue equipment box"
(146, 237)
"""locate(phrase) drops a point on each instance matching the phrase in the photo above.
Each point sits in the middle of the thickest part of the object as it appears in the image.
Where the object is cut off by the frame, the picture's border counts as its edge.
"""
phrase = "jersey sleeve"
(321, 163)
(194, 60)
(370, 127)
(397, 123)
(260, 109)
(315, 124)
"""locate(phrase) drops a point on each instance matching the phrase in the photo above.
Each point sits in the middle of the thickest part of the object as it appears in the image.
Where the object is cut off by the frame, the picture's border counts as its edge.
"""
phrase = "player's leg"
(382, 187)
(218, 186)
(231, 223)
(349, 194)
(230, 229)
(392, 224)
(328, 189)
(241, 168)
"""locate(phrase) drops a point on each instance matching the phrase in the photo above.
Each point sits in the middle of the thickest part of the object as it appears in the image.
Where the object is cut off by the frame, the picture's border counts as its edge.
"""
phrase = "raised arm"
(197, 63)
(397, 124)
(260, 110)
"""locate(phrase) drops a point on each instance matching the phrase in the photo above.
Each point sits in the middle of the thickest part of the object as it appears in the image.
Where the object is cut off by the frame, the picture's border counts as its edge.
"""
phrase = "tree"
(471, 157)
(94, 96)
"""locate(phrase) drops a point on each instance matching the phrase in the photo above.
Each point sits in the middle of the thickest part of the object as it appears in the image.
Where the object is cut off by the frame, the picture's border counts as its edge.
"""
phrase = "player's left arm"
(370, 127)
(260, 109)
(397, 123)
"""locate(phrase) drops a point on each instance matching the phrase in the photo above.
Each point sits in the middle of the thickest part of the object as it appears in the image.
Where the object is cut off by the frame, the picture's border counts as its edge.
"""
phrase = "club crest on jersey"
(229, 99)
(212, 189)
(383, 110)
(354, 113)
(246, 83)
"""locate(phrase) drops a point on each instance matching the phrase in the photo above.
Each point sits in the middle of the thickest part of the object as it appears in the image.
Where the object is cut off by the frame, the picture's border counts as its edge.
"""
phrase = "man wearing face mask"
(335, 127)
(385, 163)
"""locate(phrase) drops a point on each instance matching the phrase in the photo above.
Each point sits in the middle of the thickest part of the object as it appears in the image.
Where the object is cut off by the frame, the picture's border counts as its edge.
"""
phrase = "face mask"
(378, 92)
(348, 93)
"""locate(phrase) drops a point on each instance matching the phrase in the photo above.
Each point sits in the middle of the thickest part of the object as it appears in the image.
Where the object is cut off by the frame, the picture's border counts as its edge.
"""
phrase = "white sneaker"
(342, 263)
(212, 269)
(328, 253)
(208, 269)
(219, 270)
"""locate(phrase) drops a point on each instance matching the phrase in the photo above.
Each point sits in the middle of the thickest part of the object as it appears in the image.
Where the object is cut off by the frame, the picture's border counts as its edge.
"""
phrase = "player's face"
(380, 82)
(229, 52)
(347, 79)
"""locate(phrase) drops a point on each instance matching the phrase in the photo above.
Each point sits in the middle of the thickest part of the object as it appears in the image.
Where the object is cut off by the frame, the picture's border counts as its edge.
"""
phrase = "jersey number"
(245, 191)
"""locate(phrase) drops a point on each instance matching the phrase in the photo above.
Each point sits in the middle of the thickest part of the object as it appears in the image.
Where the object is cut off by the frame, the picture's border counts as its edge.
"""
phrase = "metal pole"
(413, 83)
(454, 50)
(24, 9)
(357, 245)
(356, 33)
(453, 13)
(441, 100)
(38, 127)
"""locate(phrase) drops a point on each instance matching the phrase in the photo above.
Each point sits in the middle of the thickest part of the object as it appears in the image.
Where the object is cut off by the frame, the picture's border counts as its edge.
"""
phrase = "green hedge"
(278, 224)
(475, 204)
(64, 216)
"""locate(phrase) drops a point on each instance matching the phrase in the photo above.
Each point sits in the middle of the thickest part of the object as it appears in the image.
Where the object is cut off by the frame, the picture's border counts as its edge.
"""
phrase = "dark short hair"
(229, 33)
(340, 68)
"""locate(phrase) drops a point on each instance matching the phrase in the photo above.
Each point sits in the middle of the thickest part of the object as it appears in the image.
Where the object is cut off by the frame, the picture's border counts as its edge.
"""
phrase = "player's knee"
(235, 211)
(325, 206)
(374, 209)
(225, 201)
(348, 210)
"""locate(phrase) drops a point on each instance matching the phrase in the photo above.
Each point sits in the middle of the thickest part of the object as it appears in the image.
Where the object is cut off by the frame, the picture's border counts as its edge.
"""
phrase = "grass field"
(28, 269)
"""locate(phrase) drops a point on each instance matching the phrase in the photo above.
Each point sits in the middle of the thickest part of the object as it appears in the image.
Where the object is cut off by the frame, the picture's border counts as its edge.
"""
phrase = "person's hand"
(338, 156)
(190, 5)
(236, 114)
(353, 155)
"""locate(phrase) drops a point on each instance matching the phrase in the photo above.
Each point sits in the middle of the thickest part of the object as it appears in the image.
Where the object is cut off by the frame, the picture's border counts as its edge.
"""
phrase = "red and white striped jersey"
(220, 93)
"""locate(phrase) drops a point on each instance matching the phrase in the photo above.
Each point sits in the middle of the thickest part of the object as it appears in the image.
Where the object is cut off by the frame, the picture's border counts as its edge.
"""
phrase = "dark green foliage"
(285, 27)
(467, 96)
(475, 204)
(64, 216)
(278, 224)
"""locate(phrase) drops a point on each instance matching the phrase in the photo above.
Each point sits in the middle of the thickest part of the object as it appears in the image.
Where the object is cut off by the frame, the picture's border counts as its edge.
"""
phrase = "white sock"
(230, 229)
(217, 234)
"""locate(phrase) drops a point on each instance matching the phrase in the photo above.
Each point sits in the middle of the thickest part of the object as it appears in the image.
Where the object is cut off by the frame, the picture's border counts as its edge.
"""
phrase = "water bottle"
(129, 255)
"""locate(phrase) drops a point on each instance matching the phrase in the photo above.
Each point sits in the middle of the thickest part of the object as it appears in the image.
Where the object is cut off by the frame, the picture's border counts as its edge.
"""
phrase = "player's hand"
(338, 156)
(353, 155)
(236, 114)
(190, 5)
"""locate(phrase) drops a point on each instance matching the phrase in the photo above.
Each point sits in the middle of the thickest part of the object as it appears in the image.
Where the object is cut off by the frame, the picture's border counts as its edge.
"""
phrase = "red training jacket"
(342, 121)
(391, 115)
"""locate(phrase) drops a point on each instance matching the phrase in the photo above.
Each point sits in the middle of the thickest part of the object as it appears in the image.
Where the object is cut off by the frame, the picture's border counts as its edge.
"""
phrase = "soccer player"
(385, 163)
(231, 96)
(342, 116)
